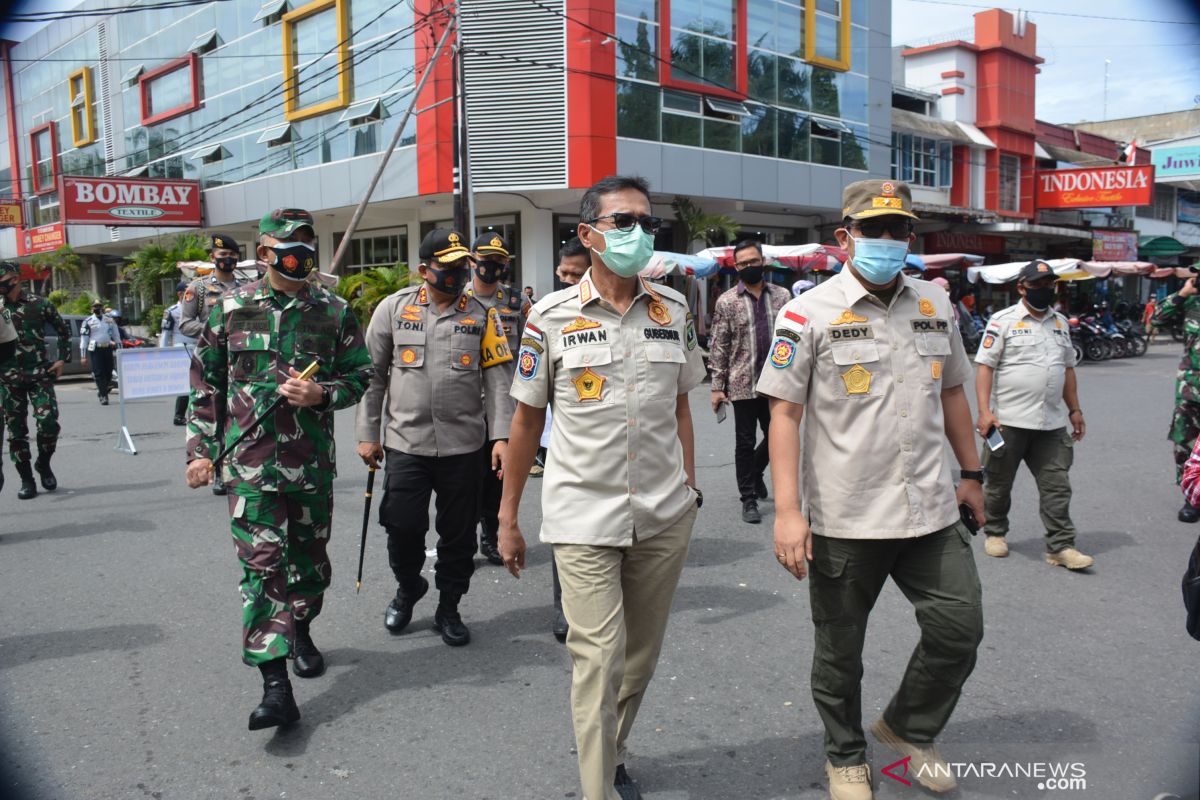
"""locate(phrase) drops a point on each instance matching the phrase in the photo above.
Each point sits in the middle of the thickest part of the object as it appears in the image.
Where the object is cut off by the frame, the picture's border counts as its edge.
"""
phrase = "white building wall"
(924, 73)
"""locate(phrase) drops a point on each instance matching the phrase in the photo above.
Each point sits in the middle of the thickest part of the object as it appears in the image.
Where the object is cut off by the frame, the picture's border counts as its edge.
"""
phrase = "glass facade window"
(316, 59)
(373, 250)
(922, 161)
(81, 97)
(170, 90)
(782, 76)
(43, 148)
(1010, 183)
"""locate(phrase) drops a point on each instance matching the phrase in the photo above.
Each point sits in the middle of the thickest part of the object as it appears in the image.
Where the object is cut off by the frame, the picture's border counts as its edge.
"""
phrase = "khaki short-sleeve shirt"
(615, 464)
(1031, 357)
(870, 378)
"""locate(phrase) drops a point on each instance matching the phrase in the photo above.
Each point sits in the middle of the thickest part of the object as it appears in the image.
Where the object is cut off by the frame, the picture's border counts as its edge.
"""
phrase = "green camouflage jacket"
(1172, 310)
(244, 352)
(31, 316)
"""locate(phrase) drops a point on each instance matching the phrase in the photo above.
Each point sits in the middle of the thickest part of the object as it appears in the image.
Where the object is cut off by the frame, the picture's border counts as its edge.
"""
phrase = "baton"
(362, 545)
(308, 372)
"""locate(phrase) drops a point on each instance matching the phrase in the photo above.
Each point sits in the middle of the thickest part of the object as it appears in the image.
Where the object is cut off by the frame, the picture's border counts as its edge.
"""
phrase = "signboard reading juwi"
(130, 201)
(1098, 187)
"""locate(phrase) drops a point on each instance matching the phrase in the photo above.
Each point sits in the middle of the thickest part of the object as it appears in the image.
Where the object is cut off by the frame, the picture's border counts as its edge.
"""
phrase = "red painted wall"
(591, 92)
(435, 128)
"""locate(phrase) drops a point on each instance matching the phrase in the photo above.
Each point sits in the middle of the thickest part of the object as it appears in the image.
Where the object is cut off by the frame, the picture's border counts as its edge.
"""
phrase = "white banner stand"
(150, 372)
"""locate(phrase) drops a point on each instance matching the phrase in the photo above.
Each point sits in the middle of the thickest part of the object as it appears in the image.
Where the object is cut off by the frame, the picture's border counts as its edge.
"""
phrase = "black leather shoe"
(308, 663)
(488, 549)
(49, 482)
(400, 610)
(104, 400)
(278, 706)
(560, 628)
(625, 785)
(1189, 513)
(448, 622)
(218, 486)
(180, 421)
(760, 488)
(28, 487)
(750, 512)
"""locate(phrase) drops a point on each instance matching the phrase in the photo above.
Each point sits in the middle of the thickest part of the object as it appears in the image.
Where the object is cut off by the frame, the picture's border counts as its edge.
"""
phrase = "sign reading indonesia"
(131, 201)
(1099, 187)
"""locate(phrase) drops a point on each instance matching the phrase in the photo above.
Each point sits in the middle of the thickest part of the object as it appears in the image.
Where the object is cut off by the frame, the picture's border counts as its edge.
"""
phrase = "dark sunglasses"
(875, 228)
(624, 222)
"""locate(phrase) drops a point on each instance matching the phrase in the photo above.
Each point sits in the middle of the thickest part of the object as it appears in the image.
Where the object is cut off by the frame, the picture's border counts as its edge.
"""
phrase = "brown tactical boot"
(849, 783)
(1070, 558)
(927, 767)
(996, 546)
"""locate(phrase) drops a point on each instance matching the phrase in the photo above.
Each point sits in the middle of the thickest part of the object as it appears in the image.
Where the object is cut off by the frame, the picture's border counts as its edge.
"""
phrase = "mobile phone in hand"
(968, 518)
(722, 412)
(994, 440)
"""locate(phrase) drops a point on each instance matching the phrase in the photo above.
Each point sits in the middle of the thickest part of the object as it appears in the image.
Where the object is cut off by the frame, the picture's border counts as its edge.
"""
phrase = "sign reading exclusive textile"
(131, 201)
(1098, 187)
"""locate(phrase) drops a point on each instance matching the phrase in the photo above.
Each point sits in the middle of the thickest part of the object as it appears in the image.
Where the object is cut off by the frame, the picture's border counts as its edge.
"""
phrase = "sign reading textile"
(130, 201)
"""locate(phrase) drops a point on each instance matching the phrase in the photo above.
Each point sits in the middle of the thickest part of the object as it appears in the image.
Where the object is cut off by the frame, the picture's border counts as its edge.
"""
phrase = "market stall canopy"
(793, 256)
(1006, 273)
(246, 270)
(1102, 269)
(1160, 247)
(663, 263)
(950, 260)
(1172, 272)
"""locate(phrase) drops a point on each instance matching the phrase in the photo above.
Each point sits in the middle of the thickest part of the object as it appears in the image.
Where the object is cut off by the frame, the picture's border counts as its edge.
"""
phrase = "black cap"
(443, 246)
(223, 241)
(181, 286)
(1034, 271)
(491, 243)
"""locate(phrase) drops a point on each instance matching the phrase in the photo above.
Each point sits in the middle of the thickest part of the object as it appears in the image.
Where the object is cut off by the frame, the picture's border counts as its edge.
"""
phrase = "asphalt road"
(120, 674)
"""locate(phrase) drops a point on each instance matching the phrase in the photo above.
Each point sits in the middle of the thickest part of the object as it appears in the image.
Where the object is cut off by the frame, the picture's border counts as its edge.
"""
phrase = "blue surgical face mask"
(879, 261)
(626, 252)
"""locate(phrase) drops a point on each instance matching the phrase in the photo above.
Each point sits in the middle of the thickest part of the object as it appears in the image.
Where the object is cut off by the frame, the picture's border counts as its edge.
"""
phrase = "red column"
(591, 92)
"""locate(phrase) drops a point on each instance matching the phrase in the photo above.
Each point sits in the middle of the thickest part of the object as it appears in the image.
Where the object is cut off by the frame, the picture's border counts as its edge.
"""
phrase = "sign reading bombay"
(131, 201)
(1098, 187)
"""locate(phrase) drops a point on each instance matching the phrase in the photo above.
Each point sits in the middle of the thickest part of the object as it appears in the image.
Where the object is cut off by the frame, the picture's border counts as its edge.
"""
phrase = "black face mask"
(751, 275)
(226, 263)
(1039, 297)
(491, 271)
(449, 281)
(294, 260)
(5, 288)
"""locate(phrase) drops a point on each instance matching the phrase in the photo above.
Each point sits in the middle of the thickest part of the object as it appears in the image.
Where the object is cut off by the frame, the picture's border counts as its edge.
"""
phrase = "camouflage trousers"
(281, 540)
(1185, 424)
(15, 399)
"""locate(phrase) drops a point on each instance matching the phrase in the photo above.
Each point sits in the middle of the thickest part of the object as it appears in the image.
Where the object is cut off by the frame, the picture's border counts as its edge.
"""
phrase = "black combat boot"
(308, 663)
(400, 610)
(488, 542)
(28, 487)
(278, 706)
(448, 622)
(1189, 513)
(42, 465)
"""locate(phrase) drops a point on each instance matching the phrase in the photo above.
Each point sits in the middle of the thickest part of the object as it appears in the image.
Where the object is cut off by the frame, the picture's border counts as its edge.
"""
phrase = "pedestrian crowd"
(856, 386)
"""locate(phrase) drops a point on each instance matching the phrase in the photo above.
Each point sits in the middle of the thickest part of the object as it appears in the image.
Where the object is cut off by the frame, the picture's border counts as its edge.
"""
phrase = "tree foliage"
(64, 264)
(712, 229)
(366, 289)
(154, 262)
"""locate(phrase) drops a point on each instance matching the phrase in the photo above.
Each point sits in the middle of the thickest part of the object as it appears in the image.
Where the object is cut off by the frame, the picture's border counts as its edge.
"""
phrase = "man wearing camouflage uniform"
(29, 380)
(1185, 423)
(252, 351)
(490, 286)
(8, 349)
(199, 299)
(170, 335)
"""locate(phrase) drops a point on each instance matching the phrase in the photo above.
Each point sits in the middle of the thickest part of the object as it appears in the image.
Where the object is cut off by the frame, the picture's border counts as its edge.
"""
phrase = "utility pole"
(464, 216)
(1106, 63)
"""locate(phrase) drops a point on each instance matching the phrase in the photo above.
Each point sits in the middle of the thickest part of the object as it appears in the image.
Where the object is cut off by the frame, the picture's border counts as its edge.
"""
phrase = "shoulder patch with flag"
(533, 332)
(793, 321)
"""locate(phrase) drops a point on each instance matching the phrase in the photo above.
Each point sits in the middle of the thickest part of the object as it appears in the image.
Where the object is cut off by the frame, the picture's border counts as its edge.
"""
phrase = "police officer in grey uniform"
(99, 338)
(202, 295)
(489, 283)
(870, 362)
(170, 335)
(441, 359)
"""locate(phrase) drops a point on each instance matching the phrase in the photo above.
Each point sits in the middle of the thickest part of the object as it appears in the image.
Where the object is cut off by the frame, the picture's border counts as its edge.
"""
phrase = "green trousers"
(16, 400)
(281, 541)
(936, 572)
(1049, 455)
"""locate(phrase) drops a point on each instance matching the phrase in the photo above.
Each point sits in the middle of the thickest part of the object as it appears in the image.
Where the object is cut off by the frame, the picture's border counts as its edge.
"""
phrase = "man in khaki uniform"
(617, 357)
(199, 299)
(1025, 387)
(871, 360)
(489, 286)
(437, 354)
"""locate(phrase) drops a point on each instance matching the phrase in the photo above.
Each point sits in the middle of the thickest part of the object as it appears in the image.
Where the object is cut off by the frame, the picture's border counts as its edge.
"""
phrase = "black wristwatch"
(699, 497)
(971, 475)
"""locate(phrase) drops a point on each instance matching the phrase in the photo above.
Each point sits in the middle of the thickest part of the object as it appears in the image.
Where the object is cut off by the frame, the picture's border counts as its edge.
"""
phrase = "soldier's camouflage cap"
(283, 222)
(9, 268)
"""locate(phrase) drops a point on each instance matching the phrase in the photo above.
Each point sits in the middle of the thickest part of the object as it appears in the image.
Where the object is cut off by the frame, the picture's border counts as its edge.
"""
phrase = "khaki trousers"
(617, 600)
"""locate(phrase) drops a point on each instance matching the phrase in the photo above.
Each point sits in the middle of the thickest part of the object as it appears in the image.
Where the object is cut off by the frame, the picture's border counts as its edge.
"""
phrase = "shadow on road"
(709, 551)
(722, 603)
(1091, 542)
(18, 650)
(77, 529)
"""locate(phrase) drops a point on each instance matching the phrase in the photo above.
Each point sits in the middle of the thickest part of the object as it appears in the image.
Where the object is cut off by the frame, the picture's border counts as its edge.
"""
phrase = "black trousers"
(102, 362)
(490, 490)
(181, 405)
(750, 461)
(404, 512)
